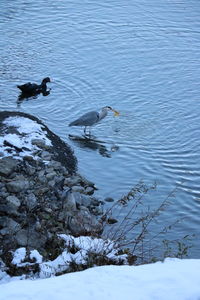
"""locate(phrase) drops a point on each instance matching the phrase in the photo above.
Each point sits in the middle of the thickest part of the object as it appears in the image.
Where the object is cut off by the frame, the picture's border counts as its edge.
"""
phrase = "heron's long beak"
(116, 113)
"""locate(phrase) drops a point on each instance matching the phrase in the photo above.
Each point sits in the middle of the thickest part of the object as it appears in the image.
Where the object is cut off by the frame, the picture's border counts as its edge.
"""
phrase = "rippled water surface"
(142, 58)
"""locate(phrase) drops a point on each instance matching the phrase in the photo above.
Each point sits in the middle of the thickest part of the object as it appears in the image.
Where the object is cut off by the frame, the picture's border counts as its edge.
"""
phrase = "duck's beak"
(116, 113)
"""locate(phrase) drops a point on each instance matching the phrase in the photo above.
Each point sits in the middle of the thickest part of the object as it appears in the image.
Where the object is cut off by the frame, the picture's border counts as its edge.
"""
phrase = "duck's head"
(46, 79)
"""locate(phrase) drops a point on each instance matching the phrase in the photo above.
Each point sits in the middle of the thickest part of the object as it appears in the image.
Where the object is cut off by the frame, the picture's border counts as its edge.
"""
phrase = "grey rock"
(82, 199)
(3, 221)
(42, 178)
(9, 226)
(112, 220)
(97, 211)
(17, 186)
(38, 226)
(7, 165)
(13, 175)
(38, 142)
(78, 188)
(30, 170)
(95, 202)
(71, 181)
(52, 183)
(49, 169)
(109, 199)
(64, 171)
(41, 173)
(89, 190)
(87, 182)
(48, 210)
(3, 208)
(61, 216)
(59, 178)
(56, 165)
(36, 240)
(31, 201)
(22, 237)
(5, 231)
(9, 209)
(3, 193)
(84, 223)
(13, 200)
(51, 175)
(41, 191)
(45, 155)
(69, 201)
(28, 158)
(30, 238)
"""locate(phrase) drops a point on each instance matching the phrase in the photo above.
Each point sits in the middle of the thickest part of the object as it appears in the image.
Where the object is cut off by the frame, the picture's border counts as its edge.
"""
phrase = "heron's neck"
(103, 113)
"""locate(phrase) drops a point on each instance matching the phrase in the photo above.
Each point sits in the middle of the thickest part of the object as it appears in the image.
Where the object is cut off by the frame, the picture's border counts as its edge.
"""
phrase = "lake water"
(142, 58)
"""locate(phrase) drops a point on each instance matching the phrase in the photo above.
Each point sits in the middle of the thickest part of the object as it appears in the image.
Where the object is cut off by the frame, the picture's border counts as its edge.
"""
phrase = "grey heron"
(93, 117)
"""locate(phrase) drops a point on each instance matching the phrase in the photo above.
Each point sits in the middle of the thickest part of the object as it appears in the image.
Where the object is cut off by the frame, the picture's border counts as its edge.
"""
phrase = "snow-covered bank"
(174, 279)
(41, 194)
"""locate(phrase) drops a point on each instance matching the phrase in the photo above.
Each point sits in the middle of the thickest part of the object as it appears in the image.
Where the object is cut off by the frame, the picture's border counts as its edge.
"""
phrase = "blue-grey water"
(142, 58)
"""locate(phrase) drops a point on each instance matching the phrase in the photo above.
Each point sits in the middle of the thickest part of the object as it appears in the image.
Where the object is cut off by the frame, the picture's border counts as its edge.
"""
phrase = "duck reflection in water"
(93, 144)
(23, 97)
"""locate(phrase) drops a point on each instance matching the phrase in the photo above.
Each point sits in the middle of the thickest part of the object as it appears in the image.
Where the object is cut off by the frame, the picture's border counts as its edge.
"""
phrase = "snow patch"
(84, 245)
(19, 256)
(34, 254)
(28, 131)
(174, 279)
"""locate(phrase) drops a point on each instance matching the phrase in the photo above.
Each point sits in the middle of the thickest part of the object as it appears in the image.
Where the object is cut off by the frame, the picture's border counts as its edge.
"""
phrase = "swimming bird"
(93, 117)
(33, 88)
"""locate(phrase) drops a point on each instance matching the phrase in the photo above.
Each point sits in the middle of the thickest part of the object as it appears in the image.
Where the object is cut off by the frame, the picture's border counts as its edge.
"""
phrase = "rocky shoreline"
(41, 193)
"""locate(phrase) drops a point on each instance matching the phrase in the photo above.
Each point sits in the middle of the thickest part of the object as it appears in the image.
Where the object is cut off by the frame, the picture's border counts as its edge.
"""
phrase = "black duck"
(33, 88)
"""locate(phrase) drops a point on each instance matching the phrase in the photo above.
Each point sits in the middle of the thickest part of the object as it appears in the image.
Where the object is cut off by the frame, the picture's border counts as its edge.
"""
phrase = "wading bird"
(92, 118)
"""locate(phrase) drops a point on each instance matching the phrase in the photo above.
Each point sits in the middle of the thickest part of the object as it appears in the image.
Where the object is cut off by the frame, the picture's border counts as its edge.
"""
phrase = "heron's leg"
(89, 132)
(87, 135)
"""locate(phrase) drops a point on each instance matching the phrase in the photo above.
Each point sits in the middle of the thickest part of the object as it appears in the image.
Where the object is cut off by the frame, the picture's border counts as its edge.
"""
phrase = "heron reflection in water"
(92, 144)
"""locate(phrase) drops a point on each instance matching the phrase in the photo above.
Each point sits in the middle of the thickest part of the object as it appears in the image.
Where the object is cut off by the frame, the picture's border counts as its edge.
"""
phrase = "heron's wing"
(87, 119)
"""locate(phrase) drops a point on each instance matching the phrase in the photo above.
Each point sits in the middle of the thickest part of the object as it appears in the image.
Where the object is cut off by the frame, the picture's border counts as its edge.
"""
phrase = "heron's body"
(33, 88)
(91, 118)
